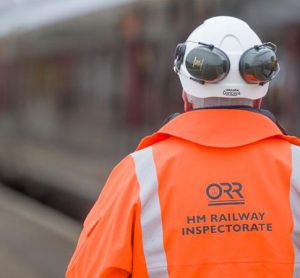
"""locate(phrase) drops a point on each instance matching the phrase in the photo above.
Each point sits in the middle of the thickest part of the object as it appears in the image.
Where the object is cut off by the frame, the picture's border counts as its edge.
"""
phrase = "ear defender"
(259, 65)
(207, 64)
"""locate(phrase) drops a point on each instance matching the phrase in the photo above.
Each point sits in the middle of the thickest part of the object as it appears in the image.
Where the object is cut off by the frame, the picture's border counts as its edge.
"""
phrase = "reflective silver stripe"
(295, 206)
(150, 214)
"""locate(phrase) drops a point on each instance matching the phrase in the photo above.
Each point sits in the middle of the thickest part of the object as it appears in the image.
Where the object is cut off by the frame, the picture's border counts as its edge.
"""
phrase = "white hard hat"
(232, 38)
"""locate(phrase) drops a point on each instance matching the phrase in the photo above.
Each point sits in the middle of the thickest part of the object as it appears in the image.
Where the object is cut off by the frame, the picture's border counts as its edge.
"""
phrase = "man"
(216, 191)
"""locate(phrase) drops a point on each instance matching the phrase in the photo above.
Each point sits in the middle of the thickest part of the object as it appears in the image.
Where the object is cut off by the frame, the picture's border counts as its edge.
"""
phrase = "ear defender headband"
(209, 64)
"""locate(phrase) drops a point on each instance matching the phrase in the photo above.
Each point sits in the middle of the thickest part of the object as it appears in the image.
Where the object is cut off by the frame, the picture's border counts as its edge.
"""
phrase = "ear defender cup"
(207, 64)
(259, 65)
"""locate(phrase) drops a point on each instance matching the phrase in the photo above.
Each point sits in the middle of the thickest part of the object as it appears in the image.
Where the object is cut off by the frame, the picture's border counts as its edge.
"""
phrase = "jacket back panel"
(226, 211)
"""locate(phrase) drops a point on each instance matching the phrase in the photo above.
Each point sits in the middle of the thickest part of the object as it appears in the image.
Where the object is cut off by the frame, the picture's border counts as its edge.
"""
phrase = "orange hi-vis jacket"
(214, 193)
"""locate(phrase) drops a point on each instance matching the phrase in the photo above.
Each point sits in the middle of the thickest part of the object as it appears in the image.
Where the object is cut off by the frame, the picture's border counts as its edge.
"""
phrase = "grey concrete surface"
(35, 241)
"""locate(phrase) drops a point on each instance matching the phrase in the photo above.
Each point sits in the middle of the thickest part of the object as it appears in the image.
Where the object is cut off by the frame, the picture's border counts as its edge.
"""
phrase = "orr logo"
(225, 193)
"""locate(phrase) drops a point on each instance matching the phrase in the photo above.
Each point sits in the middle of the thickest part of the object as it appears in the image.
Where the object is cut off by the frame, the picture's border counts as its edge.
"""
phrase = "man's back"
(200, 200)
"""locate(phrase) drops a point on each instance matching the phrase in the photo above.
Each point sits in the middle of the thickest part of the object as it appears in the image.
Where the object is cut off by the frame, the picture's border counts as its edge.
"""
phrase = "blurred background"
(81, 81)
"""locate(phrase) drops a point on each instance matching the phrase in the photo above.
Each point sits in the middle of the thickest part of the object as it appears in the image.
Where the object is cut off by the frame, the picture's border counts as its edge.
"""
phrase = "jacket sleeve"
(105, 247)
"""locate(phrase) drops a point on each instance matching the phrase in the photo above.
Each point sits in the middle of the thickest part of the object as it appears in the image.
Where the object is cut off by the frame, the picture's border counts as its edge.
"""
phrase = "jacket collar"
(221, 128)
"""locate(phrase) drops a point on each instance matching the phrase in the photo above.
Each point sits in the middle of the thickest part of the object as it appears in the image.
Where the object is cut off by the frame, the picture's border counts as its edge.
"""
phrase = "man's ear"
(187, 105)
(257, 103)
